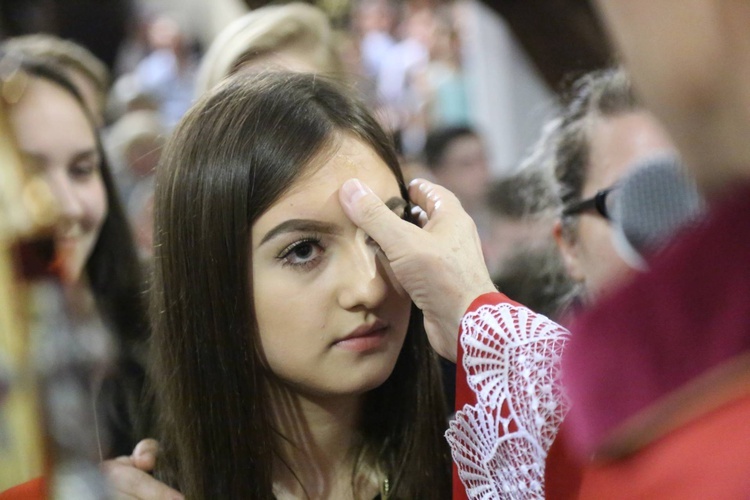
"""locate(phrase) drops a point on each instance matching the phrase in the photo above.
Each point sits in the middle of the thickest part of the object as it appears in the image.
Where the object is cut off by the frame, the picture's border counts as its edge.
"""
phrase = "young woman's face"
(57, 142)
(331, 320)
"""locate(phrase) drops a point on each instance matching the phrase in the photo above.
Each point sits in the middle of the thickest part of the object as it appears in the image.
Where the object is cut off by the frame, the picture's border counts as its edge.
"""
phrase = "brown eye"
(302, 254)
(303, 251)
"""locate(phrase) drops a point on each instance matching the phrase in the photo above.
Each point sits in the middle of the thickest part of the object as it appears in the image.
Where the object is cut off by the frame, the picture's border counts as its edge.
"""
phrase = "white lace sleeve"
(512, 361)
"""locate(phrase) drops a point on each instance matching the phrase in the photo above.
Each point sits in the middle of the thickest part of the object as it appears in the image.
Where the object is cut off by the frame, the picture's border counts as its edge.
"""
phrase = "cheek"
(270, 323)
(267, 312)
(93, 197)
(605, 267)
(285, 314)
(594, 236)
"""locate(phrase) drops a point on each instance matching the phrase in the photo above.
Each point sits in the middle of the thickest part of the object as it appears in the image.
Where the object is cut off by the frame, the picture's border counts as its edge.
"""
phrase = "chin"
(354, 385)
(372, 378)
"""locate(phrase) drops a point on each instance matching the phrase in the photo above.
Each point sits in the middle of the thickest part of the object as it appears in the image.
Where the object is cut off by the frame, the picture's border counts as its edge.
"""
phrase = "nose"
(363, 284)
(68, 202)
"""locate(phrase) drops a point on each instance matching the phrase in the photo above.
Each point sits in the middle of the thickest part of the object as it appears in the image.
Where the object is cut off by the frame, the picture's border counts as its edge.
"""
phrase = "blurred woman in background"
(56, 134)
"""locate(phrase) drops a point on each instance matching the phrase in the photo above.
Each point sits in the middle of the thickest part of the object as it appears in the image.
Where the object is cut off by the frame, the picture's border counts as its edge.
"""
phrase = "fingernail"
(415, 181)
(353, 190)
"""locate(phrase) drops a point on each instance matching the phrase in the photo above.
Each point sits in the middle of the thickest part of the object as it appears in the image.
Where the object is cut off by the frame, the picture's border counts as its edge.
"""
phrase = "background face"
(317, 278)
(57, 142)
(464, 169)
(617, 143)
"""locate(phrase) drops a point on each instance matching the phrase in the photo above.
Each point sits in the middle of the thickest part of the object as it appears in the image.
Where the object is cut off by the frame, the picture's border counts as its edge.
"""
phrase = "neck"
(317, 446)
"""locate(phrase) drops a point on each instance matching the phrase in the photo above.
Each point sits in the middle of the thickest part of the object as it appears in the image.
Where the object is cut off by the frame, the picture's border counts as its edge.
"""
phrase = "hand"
(440, 265)
(129, 477)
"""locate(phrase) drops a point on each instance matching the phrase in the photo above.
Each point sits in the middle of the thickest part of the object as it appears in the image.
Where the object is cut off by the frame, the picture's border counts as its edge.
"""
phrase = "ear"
(569, 251)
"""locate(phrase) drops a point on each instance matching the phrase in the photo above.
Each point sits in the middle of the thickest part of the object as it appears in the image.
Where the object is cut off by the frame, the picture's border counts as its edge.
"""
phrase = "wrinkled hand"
(440, 265)
(129, 477)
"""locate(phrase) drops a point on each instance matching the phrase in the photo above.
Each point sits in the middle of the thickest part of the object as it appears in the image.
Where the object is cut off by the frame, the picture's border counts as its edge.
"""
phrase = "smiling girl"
(57, 139)
(290, 364)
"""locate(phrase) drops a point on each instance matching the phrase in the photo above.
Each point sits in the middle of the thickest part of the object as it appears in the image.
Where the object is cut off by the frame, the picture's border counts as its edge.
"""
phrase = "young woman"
(57, 139)
(289, 364)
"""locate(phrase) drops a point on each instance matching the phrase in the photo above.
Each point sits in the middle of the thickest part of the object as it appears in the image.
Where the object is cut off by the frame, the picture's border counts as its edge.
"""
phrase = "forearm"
(509, 397)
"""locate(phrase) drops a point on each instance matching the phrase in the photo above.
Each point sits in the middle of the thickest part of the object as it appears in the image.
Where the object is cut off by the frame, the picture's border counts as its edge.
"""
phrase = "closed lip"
(365, 330)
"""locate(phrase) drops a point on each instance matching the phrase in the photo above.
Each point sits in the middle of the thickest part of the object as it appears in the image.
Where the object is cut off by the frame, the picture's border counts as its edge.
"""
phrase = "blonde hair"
(66, 55)
(269, 30)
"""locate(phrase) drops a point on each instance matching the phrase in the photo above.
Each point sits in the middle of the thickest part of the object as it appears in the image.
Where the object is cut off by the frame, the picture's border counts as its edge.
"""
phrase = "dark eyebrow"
(300, 225)
(314, 226)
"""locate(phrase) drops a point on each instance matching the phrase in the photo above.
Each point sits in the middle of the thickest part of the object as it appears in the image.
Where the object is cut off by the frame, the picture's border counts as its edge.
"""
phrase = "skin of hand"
(440, 265)
(129, 477)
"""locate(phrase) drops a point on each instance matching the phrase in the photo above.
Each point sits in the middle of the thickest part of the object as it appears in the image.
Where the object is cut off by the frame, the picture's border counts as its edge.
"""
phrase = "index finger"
(431, 197)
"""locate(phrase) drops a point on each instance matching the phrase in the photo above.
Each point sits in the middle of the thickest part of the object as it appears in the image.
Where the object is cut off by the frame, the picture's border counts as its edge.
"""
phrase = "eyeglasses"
(602, 202)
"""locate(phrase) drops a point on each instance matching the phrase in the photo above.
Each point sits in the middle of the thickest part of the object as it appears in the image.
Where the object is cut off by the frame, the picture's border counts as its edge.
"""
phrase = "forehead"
(315, 194)
(47, 113)
(617, 143)
(351, 157)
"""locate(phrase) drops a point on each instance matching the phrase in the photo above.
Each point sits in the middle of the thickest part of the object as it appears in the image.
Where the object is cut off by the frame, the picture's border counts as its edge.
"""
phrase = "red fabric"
(36, 489)
(562, 472)
(464, 394)
(689, 314)
(708, 458)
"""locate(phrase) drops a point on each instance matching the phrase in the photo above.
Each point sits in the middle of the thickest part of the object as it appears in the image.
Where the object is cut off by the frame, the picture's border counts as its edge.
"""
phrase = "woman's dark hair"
(115, 278)
(233, 155)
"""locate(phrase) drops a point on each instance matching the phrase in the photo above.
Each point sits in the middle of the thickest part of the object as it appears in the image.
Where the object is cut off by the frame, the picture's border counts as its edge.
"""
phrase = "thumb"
(370, 214)
(145, 453)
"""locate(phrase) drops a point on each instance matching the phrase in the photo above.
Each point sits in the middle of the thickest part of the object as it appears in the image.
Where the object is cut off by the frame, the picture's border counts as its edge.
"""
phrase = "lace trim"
(512, 361)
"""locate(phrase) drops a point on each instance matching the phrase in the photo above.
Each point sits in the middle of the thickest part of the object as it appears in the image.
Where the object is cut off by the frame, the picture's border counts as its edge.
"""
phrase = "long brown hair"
(232, 156)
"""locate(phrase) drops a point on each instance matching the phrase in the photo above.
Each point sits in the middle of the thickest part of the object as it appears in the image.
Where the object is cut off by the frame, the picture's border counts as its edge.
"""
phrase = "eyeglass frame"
(598, 202)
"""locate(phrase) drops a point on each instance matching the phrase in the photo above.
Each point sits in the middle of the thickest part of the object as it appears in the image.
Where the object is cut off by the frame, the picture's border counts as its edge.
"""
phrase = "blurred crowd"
(405, 58)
